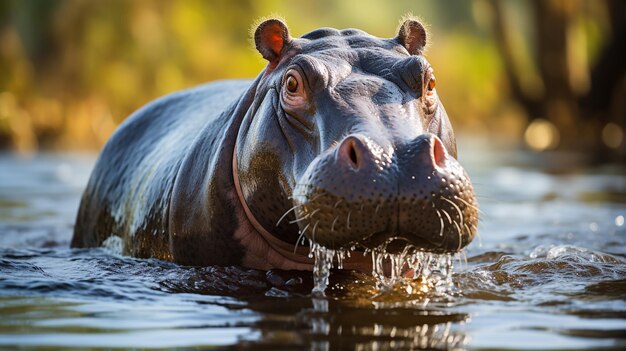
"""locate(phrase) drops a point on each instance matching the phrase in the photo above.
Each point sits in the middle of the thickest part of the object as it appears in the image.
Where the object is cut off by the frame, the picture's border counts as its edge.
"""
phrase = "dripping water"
(325, 260)
(413, 270)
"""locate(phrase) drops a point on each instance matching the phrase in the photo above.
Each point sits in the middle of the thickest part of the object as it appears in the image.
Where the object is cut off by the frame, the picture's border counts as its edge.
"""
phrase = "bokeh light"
(541, 135)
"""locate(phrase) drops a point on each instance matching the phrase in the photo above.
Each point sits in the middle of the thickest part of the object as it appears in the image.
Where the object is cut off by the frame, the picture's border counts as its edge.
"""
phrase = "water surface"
(547, 272)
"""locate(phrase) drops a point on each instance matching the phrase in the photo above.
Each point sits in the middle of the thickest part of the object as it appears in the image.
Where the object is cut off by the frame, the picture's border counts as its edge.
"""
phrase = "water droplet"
(619, 220)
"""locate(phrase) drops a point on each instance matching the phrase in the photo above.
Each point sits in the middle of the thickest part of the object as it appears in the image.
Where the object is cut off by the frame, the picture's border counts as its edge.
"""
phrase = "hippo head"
(348, 144)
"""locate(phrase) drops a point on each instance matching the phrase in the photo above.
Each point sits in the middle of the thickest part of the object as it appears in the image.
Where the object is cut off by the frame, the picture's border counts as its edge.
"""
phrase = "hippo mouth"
(418, 196)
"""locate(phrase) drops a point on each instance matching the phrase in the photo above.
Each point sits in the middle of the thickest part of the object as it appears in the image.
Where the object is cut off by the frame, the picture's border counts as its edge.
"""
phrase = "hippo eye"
(291, 84)
(293, 94)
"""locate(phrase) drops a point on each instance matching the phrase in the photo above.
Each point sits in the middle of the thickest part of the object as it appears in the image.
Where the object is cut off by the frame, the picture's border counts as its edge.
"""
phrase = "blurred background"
(543, 76)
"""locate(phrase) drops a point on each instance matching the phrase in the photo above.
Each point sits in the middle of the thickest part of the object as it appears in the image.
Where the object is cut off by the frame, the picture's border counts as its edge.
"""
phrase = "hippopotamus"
(341, 139)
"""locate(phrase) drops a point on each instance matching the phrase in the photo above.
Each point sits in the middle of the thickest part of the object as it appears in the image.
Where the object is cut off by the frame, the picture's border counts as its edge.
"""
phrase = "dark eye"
(291, 84)
(293, 94)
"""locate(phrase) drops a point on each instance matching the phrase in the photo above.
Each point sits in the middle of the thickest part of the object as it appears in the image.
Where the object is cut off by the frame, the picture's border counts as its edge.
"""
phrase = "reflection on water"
(548, 272)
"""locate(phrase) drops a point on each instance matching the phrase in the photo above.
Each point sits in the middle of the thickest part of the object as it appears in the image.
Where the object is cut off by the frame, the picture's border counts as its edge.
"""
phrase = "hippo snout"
(360, 193)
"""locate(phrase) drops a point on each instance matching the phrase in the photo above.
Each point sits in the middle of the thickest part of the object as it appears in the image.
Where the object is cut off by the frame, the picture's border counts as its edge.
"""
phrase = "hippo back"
(130, 188)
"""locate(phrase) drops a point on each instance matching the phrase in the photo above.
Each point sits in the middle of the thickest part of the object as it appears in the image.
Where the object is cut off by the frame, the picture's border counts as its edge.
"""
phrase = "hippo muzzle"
(358, 194)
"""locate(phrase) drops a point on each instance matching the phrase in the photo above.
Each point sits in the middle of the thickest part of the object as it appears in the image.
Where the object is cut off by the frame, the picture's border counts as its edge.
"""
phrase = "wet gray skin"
(360, 147)
(342, 139)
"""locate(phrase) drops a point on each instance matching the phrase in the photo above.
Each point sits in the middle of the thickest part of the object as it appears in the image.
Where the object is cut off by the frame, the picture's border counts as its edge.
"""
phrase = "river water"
(547, 272)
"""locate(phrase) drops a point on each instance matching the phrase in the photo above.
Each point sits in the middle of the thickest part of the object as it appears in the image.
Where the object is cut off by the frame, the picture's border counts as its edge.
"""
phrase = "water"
(547, 272)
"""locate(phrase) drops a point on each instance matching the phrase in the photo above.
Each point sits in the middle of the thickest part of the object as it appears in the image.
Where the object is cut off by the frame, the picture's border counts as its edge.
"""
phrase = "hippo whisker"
(440, 221)
(458, 229)
(469, 205)
(460, 235)
(332, 227)
(457, 209)
(337, 203)
(447, 215)
(304, 230)
(310, 215)
(314, 228)
(300, 219)
(467, 228)
(348, 220)
(286, 213)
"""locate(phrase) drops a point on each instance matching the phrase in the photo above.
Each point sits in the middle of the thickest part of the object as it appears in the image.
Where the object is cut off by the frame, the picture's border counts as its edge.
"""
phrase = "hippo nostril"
(353, 156)
(351, 152)
(439, 152)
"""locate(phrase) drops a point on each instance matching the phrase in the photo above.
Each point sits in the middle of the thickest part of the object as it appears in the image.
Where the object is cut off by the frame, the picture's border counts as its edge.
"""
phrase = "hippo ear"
(270, 37)
(412, 35)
